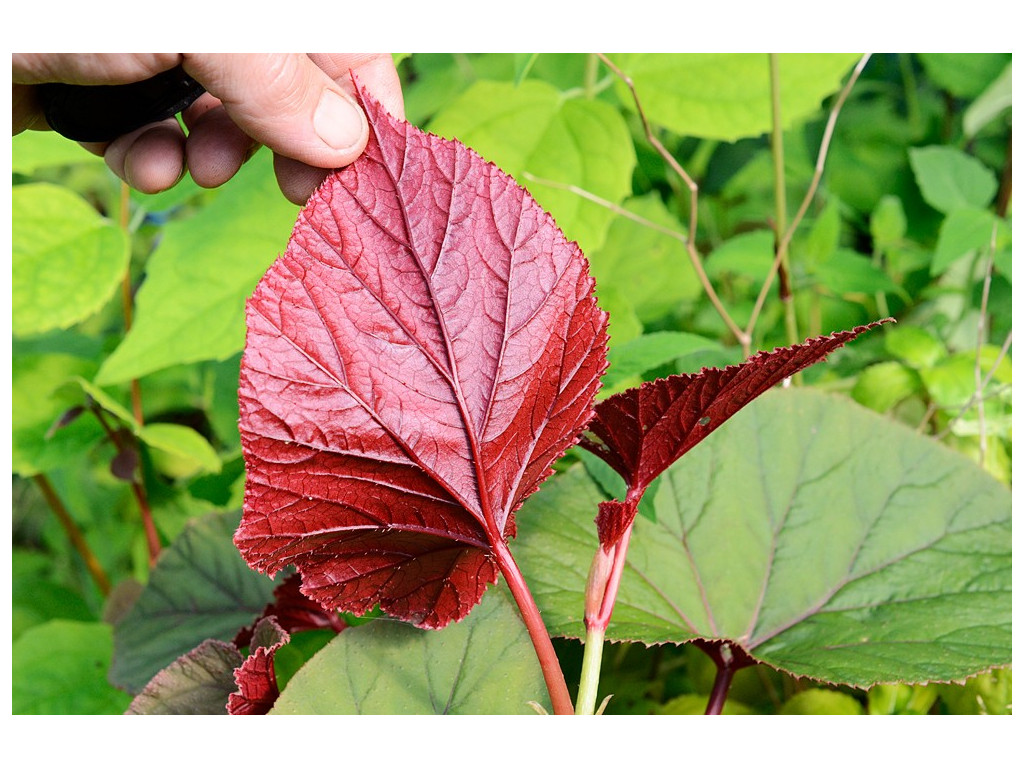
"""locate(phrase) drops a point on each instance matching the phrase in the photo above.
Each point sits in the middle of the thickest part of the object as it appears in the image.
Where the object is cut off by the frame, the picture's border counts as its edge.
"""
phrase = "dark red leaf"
(294, 612)
(256, 680)
(644, 430)
(425, 348)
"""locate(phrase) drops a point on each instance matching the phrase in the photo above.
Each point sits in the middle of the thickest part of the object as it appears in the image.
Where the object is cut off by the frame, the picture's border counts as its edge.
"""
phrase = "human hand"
(301, 106)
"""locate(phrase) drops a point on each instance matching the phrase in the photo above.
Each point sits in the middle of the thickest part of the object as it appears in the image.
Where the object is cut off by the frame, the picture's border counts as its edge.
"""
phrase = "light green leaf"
(651, 350)
(67, 259)
(649, 268)
(60, 668)
(33, 150)
(996, 99)
(888, 222)
(825, 540)
(883, 385)
(191, 305)
(180, 450)
(38, 400)
(532, 130)
(200, 589)
(485, 664)
(749, 254)
(849, 272)
(728, 95)
(965, 232)
(915, 346)
(950, 180)
(819, 701)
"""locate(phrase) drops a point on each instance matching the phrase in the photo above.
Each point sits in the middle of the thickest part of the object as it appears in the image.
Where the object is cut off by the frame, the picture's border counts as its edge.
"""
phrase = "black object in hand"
(103, 112)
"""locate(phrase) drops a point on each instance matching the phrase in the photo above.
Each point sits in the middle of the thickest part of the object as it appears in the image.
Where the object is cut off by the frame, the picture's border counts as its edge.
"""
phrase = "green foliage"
(886, 535)
(484, 663)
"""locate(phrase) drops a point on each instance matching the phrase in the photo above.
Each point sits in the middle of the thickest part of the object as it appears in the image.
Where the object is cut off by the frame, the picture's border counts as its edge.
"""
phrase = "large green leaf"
(191, 305)
(484, 664)
(534, 129)
(727, 95)
(825, 540)
(67, 260)
(59, 668)
(200, 589)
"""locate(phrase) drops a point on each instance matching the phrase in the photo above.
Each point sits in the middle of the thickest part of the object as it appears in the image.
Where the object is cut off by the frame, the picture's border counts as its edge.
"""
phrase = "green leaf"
(823, 539)
(822, 240)
(888, 222)
(198, 683)
(34, 150)
(884, 385)
(200, 589)
(848, 272)
(651, 350)
(749, 254)
(950, 179)
(38, 400)
(727, 95)
(818, 701)
(695, 704)
(995, 100)
(180, 450)
(60, 668)
(915, 346)
(191, 305)
(67, 260)
(951, 382)
(965, 232)
(650, 269)
(485, 664)
(532, 130)
(964, 74)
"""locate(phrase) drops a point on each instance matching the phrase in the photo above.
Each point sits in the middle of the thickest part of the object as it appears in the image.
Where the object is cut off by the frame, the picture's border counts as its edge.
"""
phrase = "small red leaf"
(644, 430)
(256, 679)
(294, 612)
(423, 351)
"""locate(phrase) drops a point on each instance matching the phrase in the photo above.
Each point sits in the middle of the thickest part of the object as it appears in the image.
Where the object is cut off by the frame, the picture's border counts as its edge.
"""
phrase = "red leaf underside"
(641, 432)
(255, 678)
(425, 348)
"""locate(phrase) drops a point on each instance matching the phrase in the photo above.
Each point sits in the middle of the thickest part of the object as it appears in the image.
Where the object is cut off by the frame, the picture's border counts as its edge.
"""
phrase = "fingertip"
(297, 180)
(150, 159)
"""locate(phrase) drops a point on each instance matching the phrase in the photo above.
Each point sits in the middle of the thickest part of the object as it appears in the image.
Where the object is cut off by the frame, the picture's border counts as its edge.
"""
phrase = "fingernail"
(338, 121)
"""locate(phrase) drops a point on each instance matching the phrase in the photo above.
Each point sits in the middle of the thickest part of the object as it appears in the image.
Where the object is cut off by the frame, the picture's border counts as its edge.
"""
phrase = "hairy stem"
(78, 541)
(561, 702)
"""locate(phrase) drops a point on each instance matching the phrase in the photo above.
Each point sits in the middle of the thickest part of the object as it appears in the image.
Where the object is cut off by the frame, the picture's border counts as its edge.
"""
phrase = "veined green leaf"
(823, 539)
(484, 664)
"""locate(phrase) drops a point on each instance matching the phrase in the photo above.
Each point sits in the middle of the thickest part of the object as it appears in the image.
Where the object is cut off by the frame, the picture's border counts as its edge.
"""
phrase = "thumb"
(286, 102)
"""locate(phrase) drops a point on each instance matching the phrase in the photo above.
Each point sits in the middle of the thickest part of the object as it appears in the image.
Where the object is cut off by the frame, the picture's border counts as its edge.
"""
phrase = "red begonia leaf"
(256, 680)
(643, 431)
(294, 612)
(418, 357)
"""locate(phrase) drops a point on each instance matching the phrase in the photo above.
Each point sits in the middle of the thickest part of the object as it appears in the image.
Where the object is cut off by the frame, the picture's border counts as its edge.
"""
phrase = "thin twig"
(819, 169)
(691, 239)
(78, 540)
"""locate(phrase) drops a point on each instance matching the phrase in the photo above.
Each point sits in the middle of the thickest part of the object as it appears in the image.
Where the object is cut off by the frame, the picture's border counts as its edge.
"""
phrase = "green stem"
(781, 216)
(561, 702)
(590, 675)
